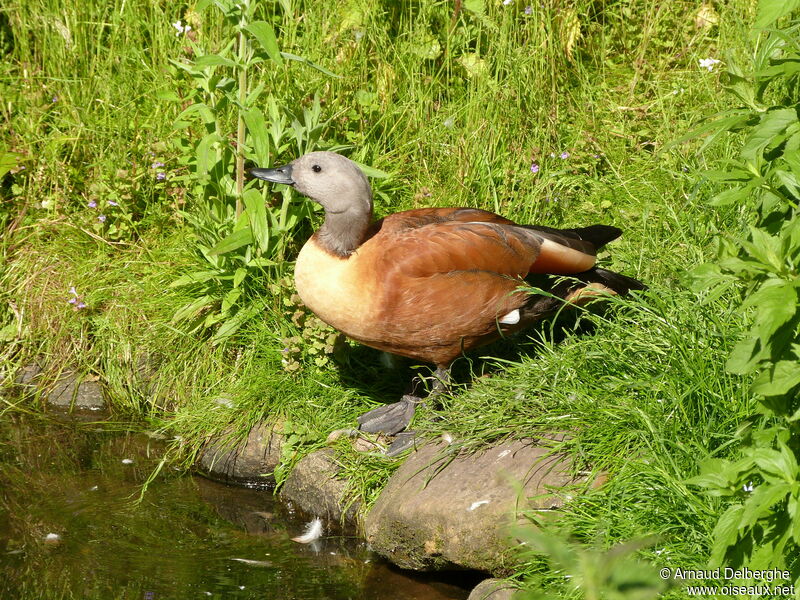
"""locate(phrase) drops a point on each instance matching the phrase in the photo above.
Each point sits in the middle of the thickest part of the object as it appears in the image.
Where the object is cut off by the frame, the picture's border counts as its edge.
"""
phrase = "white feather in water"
(312, 533)
(253, 563)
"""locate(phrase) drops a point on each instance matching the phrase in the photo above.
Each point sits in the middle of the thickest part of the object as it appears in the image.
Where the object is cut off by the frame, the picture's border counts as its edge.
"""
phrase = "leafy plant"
(761, 527)
(594, 573)
(238, 229)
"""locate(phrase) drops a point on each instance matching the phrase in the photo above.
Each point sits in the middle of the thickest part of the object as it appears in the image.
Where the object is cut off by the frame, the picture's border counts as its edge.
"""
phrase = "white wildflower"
(181, 29)
(708, 63)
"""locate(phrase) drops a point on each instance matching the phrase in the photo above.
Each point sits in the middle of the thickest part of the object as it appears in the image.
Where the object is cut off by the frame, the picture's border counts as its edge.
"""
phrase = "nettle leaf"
(778, 379)
(206, 114)
(765, 248)
(257, 211)
(257, 126)
(770, 11)
(789, 181)
(794, 514)
(726, 533)
(372, 171)
(214, 60)
(745, 356)
(773, 123)
(206, 155)
(195, 277)
(193, 308)
(234, 323)
(238, 276)
(716, 483)
(779, 464)
(230, 298)
(735, 195)
(265, 35)
(790, 239)
(776, 304)
(760, 502)
(237, 239)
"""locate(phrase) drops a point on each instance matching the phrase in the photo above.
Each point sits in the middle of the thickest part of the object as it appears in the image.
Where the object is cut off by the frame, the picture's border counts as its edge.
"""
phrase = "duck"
(432, 283)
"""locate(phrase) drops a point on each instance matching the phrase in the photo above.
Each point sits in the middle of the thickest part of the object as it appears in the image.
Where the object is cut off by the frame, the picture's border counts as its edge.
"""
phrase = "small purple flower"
(157, 165)
(54, 99)
(112, 203)
(564, 155)
(161, 176)
(92, 204)
(528, 10)
(81, 305)
(102, 218)
(534, 168)
(73, 291)
(72, 300)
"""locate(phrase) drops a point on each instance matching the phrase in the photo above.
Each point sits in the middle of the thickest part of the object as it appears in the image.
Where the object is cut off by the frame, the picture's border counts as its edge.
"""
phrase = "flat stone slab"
(249, 462)
(72, 391)
(434, 514)
(314, 486)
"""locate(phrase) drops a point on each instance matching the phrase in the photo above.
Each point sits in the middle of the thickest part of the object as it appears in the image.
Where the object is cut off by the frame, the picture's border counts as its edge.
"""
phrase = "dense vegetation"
(134, 249)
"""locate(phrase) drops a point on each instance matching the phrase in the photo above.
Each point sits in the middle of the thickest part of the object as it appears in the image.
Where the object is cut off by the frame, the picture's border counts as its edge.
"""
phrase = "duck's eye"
(316, 168)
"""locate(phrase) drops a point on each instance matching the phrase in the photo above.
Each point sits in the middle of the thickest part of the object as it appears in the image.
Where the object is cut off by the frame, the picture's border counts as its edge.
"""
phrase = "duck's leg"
(395, 417)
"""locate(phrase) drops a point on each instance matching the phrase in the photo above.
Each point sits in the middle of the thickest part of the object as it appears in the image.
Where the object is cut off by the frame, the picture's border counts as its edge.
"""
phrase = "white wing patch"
(511, 318)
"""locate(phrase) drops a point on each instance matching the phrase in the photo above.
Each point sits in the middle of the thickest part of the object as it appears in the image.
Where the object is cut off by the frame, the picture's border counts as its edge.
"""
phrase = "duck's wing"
(428, 241)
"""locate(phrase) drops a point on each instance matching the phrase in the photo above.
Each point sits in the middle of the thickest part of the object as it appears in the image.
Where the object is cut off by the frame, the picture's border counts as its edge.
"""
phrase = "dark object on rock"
(249, 462)
(315, 487)
(435, 515)
(493, 589)
(431, 283)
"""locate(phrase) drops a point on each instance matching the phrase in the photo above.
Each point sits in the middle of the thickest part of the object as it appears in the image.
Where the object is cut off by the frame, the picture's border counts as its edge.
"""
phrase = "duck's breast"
(340, 291)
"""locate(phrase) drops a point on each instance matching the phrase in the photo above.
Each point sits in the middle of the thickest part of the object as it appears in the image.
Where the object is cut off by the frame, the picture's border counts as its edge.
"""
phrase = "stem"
(240, 131)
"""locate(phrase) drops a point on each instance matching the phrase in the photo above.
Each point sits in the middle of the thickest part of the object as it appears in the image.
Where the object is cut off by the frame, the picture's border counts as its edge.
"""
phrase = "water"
(78, 482)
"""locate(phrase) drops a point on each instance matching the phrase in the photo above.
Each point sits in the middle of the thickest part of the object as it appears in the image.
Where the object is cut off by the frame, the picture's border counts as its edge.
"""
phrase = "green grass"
(642, 389)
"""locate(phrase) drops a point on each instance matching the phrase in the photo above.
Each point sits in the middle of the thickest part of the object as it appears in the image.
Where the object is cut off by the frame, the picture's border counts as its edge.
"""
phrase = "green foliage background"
(110, 110)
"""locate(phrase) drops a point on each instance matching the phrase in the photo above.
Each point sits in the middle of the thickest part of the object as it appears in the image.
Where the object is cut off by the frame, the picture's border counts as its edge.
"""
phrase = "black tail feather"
(598, 235)
(622, 284)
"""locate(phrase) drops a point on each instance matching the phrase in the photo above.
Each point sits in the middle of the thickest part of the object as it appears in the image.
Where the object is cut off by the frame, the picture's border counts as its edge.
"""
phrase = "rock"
(314, 487)
(28, 375)
(492, 589)
(246, 463)
(434, 514)
(72, 391)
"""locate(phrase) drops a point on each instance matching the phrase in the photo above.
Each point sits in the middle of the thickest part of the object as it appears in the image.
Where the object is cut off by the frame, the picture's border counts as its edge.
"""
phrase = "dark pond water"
(188, 537)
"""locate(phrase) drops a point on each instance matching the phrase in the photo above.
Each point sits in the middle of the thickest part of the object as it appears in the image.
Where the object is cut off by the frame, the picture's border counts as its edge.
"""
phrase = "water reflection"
(188, 538)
